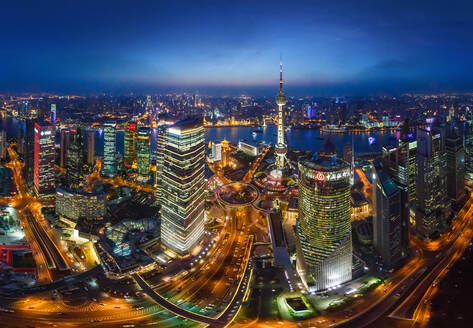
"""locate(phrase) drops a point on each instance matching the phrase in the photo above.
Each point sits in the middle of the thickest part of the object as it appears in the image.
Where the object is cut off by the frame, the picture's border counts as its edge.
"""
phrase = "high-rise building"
(91, 148)
(75, 159)
(390, 216)
(129, 154)
(52, 117)
(182, 202)
(143, 151)
(433, 206)
(29, 151)
(160, 149)
(324, 248)
(3, 144)
(468, 128)
(109, 150)
(225, 153)
(281, 148)
(455, 166)
(44, 156)
(64, 143)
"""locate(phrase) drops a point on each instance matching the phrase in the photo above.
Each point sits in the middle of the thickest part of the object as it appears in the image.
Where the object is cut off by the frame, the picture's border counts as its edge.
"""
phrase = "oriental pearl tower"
(281, 147)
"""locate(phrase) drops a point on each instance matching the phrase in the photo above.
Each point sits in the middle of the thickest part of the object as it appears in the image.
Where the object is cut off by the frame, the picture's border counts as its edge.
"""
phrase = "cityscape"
(233, 188)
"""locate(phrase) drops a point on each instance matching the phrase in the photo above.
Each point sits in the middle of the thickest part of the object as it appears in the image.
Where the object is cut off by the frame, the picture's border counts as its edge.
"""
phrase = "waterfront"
(298, 139)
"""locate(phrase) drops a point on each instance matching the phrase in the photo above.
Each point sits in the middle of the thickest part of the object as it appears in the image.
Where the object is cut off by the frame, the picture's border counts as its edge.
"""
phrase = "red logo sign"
(320, 176)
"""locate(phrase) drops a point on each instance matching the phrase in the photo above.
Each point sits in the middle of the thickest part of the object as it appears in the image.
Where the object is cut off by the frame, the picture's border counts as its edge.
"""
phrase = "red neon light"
(320, 176)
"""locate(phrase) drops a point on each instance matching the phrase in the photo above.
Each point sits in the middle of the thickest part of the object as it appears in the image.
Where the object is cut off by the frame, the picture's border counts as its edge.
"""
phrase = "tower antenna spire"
(280, 73)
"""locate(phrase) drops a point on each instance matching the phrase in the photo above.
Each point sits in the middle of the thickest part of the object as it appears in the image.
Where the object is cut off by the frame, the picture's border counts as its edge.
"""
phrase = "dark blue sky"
(328, 47)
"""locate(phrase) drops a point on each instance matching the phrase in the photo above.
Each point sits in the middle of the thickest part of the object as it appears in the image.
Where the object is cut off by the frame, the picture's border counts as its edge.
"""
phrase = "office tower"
(390, 216)
(91, 148)
(432, 202)
(44, 156)
(129, 154)
(52, 117)
(469, 145)
(143, 151)
(150, 110)
(64, 143)
(182, 219)
(3, 144)
(281, 148)
(75, 159)
(29, 151)
(160, 148)
(225, 153)
(324, 248)
(216, 151)
(109, 150)
(455, 166)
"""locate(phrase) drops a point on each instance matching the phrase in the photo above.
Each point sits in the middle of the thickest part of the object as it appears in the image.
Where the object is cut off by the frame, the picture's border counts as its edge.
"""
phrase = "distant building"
(469, 145)
(143, 152)
(109, 150)
(52, 118)
(183, 186)
(390, 217)
(129, 154)
(160, 149)
(455, 166)
(28, 142)
(91, 148)
(324, 251)
(433, 207)
(44, 156)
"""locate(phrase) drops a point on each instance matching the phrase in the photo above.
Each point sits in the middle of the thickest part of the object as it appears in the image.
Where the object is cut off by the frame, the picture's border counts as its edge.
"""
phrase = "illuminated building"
(324, 250)
(469, 145)
(129, 154)
(183, 186)
(281, 148)
(52, 118)
(44, 156)
(75, 159)
(216, 151)
(225, 153)
(432, 202)
(455, 166)
(390, 217)
(143, 151)
(3, 144)
(29, 151)
(109, 150)
(64, 143)
(75, 203)
(160, 148)
(248, 148)
(91, 148)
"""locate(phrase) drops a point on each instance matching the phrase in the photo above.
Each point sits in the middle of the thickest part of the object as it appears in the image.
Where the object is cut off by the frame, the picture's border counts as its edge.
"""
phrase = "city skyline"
(218, 48)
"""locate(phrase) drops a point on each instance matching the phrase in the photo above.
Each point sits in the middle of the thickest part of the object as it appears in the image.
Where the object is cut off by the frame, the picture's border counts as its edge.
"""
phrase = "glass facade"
(183, 186)
(323, 226)
(73, 204)
(109, 150)
(75, 159)
(143, 151)
(44, 156)
(129, 149)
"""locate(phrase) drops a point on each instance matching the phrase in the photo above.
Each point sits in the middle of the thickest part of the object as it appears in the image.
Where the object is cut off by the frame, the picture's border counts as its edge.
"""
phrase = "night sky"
(231, 47)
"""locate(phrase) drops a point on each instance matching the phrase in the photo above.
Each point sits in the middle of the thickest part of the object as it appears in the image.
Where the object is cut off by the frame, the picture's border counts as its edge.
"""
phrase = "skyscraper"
(324, 248)
(182, 223)
(129, 154)
(432, 202)
(52, 118)
(281, 148)
(29, 151)
(44, 155)
(469, 145)
(455, 166)
(75, 159)
(91, 148)
(3, 144)
(390, 216)
(64, 143)
(143, 151)
(160, 149)
(109, 150)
